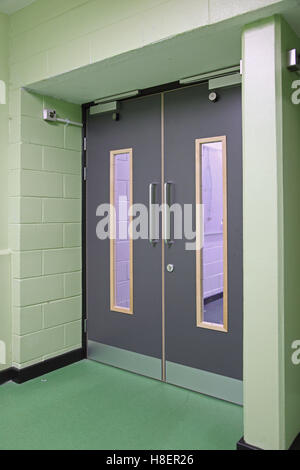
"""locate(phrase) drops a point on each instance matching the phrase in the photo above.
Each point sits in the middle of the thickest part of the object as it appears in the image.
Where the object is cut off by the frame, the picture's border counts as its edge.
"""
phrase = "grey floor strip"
(204, 382)
(128, 360)
(200, 381)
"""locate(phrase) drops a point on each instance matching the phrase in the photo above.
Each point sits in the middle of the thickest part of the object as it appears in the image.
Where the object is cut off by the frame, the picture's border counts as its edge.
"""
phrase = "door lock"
(170, 268)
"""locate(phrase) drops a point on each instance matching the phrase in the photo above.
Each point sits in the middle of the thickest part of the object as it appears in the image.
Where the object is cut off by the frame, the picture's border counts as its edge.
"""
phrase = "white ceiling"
(10, 6)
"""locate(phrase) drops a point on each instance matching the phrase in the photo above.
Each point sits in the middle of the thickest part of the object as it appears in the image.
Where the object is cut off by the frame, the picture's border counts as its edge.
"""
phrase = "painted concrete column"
(271, 122)
(5, 258)
(291, 197)
(263, 270)
(263, 236)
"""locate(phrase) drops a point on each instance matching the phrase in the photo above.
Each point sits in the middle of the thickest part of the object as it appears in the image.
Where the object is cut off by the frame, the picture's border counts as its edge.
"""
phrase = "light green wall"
(3, 129)
(44, 229)
(5, 258)
(291, 188)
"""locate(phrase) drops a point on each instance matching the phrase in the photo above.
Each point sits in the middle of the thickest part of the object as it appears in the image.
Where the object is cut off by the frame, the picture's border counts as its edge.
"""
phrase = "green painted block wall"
(4, 71)
(44, 229)
(51, 38)
(5, 257)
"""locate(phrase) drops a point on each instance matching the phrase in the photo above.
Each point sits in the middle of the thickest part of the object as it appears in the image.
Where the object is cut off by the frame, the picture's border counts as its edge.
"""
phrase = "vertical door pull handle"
(153, 227)
(167, 215)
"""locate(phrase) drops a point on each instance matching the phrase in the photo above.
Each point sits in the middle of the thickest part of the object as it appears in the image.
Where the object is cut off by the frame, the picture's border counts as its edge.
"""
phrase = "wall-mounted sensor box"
(49, 115)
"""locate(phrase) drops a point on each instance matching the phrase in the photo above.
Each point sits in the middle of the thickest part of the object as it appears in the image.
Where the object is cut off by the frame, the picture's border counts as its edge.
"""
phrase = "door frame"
(85, 109)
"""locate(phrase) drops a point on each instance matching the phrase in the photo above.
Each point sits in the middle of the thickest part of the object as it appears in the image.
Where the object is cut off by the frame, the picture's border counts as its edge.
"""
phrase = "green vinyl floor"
(91, 406)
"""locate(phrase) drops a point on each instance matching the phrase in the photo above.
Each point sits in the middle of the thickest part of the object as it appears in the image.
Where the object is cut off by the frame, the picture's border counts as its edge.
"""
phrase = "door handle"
(167, 214)
(153, 229)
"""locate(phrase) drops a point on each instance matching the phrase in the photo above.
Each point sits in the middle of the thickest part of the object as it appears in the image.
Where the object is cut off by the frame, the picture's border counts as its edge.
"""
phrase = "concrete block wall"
(213, 269)
(5, 256)
(44, 229)
(51, 38)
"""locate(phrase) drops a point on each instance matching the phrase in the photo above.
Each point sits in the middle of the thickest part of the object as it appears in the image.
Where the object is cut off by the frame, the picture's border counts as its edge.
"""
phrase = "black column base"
(32, 372)
(296, 443)
(7, 375)
(242, 445)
